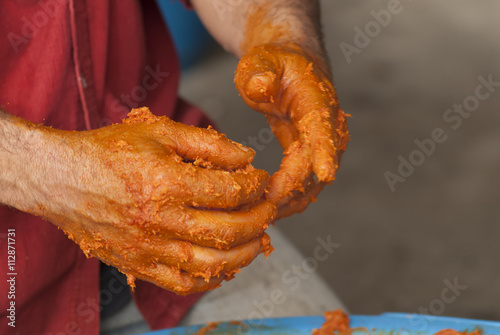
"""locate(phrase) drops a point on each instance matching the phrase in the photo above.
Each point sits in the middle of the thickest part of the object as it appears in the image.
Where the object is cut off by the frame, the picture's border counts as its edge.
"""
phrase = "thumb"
(258, 77)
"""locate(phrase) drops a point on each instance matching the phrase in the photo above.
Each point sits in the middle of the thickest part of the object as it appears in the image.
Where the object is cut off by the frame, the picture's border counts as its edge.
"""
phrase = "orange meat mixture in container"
(337, 323)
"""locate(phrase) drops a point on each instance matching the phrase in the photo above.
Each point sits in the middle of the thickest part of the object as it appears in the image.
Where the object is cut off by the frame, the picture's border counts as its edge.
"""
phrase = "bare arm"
(19, 142)
(239, 25)
(136, 195)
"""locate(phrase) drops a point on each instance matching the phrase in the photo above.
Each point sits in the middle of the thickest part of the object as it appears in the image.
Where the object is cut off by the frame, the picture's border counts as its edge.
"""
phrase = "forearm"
(13, 146)
(239, 25)
(21, 164)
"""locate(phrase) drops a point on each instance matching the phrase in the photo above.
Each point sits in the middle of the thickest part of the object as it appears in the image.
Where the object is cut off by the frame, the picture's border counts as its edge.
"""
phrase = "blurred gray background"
(442, 224)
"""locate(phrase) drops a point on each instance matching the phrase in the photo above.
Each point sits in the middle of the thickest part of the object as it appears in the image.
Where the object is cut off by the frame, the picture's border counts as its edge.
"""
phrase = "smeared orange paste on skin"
(183, 209)
(261, 29)
(283, 82)
(285, 74)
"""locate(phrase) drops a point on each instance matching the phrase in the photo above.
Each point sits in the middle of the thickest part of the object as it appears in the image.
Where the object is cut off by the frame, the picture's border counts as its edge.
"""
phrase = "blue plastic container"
(384, 324)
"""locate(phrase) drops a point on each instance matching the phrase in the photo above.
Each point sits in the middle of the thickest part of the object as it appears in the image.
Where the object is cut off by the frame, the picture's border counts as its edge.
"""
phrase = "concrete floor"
(400, 249)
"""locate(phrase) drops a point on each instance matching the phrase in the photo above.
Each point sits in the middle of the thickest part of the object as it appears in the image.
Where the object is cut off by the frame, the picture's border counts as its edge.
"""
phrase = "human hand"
(293, 89)
(171, 204)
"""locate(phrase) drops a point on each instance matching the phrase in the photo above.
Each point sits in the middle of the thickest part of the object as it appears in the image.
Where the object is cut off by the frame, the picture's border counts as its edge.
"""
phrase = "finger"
(208, 145)
(312, 101)
(294, 170)
(200, 261)
(135, 265)
(194, 143)
(306, 185)
(258, 79)
(218, 229)
(175, 280)
(208, 262)
(326, 150)
(197, 261)
(199, 187)
(283, 129)
(300, 202)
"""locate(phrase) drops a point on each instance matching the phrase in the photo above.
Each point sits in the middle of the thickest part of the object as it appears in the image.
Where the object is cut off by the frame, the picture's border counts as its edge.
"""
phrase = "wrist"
(296, 28)
(318, 62)
(280, 22)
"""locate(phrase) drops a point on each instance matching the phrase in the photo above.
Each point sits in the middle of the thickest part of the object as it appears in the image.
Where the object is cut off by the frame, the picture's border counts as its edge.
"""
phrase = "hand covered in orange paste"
(293, 90)
(171, 204)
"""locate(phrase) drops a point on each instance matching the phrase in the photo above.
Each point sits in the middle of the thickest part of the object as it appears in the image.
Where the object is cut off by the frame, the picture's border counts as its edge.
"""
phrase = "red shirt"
(75, 64)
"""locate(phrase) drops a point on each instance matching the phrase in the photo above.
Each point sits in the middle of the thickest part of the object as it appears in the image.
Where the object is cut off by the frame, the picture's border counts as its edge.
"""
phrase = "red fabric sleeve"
(161, 308)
